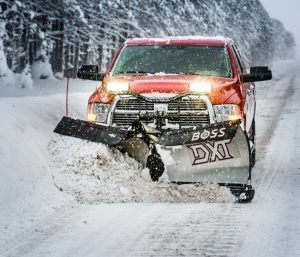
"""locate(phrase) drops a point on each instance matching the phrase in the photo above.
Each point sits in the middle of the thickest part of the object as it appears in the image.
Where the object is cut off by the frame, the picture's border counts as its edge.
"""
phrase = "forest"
(44, 39)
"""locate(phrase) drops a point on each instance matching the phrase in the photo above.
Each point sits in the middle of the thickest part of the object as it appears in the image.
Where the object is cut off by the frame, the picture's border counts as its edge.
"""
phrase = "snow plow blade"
(218, 153)
(90, 131)
(221, 159)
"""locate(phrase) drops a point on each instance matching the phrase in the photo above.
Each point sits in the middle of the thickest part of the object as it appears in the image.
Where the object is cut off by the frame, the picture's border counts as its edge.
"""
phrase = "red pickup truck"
(180, 105)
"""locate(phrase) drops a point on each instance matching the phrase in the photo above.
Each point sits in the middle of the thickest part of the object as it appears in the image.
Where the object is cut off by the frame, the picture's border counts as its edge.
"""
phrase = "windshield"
(173, 59)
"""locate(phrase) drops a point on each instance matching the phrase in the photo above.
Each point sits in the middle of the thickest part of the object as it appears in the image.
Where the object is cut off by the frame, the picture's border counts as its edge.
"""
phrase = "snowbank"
(27, 192)
(41, 70)
(95, 173)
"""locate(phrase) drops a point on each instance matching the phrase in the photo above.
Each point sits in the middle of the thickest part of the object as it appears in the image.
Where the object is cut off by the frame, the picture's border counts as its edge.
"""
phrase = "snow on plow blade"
(90, 131)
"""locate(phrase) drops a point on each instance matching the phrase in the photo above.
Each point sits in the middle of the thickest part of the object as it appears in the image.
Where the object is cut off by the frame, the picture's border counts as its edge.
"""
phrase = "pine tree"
(63, 34)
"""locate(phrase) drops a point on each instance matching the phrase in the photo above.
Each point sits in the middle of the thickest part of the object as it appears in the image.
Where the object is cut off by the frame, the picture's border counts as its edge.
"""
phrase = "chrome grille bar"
(185, 111)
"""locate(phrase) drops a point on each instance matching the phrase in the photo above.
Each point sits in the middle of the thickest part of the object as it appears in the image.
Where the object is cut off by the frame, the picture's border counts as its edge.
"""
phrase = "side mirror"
(89, 72)
(258, 73)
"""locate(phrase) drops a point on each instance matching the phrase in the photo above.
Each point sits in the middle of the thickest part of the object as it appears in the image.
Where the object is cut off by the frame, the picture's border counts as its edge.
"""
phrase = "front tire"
(244, 195)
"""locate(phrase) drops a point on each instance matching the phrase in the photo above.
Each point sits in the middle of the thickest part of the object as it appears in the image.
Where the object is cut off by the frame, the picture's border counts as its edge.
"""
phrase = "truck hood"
(159, 84)
(176, 84)
(222, 88)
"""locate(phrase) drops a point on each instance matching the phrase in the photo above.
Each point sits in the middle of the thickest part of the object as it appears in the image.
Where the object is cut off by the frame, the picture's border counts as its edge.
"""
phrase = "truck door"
(248, 91)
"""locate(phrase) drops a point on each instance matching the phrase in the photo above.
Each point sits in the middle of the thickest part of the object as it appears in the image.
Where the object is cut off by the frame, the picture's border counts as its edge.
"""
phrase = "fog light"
(98, 112)
(92, 117)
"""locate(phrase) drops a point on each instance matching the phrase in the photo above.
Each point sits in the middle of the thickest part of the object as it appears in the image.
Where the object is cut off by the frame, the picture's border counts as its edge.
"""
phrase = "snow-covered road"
(37, 219)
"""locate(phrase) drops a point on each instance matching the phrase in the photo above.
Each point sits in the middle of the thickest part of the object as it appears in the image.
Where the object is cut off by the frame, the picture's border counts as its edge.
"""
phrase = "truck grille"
(186, 111)
(187, 105)
(134, 104)
(126, 119)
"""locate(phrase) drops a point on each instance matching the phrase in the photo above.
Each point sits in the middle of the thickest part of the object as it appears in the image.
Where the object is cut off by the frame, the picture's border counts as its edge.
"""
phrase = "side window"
(238, 61)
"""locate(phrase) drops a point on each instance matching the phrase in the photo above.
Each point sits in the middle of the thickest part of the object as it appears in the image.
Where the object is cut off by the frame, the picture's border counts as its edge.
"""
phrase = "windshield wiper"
(188, 73)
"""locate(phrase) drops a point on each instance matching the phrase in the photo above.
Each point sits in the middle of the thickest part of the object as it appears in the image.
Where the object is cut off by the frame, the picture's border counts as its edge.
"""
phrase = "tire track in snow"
(263, 172)
(203, 230)
(275, 228)
(277, 112)
(26, 242)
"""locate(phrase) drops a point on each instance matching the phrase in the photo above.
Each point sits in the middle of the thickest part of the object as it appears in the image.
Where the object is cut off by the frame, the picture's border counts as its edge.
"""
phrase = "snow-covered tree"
(50, 37)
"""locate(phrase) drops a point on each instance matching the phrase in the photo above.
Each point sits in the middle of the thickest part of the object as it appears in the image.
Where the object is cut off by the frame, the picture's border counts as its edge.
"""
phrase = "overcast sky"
(287, 11)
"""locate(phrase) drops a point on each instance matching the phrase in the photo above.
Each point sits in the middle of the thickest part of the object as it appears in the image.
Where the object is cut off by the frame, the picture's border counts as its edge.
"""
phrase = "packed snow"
(61, 196)
(115, 177)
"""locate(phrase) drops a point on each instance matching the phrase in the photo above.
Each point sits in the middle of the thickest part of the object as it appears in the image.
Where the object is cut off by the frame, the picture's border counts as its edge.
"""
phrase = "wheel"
(244, 195)
(247, 195)
(155, 165)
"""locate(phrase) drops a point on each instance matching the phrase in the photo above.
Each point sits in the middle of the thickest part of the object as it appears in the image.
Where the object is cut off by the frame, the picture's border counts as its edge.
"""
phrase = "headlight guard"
(98, 112)
(227, 112)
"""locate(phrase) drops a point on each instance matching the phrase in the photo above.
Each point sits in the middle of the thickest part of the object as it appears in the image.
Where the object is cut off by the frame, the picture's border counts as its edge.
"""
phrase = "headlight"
(227, 112)
(98, 112)
(118, 87)
(203, 88)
